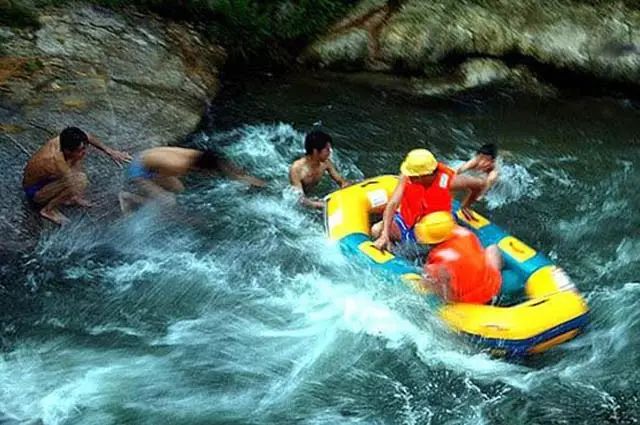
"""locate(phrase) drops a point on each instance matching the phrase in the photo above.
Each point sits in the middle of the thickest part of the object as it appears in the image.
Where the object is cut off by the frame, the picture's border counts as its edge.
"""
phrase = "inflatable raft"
(545, 309)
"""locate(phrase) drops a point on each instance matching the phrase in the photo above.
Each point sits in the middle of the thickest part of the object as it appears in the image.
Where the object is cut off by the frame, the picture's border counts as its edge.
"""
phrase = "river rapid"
(235, 309)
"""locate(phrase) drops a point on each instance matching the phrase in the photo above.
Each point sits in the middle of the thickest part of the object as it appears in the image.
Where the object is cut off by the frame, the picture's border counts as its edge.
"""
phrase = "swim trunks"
(31, 191)
(406, 233)
(137, 170)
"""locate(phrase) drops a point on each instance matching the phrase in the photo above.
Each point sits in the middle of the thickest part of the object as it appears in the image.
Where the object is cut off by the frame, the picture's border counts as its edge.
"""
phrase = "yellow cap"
(434, 228)
(419, 162)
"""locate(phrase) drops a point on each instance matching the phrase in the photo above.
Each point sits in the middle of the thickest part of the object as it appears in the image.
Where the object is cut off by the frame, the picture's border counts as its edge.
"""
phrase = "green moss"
(33, 65)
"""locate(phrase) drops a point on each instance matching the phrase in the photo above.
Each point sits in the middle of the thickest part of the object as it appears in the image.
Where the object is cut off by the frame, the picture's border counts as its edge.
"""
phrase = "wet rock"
(480, 74)
(133, 81)
(597, 39)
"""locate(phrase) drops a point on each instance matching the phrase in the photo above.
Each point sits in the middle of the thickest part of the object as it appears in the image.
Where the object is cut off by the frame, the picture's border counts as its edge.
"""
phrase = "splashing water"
(234, 308)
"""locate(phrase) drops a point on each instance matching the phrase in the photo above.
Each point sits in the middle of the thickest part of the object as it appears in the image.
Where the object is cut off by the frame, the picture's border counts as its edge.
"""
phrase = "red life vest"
(419, 200)
(471, 278)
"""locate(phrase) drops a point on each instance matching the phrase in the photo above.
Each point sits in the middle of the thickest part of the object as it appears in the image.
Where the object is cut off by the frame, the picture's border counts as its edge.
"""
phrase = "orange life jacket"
(471, 278)
(419, 200)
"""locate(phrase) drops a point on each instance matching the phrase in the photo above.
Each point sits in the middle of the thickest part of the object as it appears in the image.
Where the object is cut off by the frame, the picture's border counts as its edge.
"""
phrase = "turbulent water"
(234, 309)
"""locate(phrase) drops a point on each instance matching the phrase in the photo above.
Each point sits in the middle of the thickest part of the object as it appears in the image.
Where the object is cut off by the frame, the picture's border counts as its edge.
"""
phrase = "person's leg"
(78, 182)
(171, 184)
(494, 277)
(129, 202)
(394, 231)
(376, 229)
(66, 189)
(151, 190)
(494, 257)
(399, 231)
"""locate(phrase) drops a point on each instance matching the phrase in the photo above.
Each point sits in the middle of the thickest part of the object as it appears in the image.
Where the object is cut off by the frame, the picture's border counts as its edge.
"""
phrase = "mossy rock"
(11, 128)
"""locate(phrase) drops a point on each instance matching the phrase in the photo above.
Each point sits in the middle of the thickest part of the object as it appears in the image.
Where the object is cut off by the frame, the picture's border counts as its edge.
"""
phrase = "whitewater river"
(234, 309)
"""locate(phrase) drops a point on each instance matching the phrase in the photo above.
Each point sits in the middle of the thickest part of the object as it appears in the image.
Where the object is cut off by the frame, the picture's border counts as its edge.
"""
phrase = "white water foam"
(270, 149)
(515, 183)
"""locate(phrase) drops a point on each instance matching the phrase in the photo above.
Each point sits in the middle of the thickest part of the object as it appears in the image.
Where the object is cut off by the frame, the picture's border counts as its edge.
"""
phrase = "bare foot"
(129, 201)
(54, 215)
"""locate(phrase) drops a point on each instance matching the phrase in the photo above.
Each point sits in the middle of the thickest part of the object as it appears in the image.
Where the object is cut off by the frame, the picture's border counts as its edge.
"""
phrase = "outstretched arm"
(384, 240)
(236, 173)
(331, 169)
(469, 165)
(296, 182)
(117, 156)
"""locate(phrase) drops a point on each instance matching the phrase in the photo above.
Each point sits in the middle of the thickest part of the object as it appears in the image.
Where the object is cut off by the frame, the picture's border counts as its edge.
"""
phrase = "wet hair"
(208, 160)
(71, 138)
(316, 140)
(488, 149)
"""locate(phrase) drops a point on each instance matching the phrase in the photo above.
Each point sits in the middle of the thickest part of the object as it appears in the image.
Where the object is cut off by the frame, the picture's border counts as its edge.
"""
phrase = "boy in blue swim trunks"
(156, 173)
(54, 175)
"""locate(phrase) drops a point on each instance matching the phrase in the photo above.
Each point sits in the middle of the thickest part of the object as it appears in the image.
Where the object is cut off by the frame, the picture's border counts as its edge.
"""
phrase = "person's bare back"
(47, 163)
(156, 174)
(169, 161)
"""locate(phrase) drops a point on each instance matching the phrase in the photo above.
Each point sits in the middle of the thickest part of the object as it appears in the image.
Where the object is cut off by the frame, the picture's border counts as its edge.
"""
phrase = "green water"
(236, 310)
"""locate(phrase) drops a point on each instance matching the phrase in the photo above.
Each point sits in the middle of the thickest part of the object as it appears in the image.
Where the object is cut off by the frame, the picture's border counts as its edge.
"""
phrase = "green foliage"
(254, 29)
(277, 26)
(251, 30)
(33, 65)
(18, 14)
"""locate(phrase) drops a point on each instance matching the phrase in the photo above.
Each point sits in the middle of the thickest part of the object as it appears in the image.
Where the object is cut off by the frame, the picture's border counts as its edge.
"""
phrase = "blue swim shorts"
(406, 233)
(30, 191)
(137, 170)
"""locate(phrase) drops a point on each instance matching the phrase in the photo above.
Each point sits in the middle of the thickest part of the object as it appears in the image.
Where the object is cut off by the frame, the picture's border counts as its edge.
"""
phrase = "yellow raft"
(550, 310)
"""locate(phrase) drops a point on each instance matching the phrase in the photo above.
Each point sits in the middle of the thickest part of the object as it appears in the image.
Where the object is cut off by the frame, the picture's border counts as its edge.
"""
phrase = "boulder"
(134, 81)
(596, 39)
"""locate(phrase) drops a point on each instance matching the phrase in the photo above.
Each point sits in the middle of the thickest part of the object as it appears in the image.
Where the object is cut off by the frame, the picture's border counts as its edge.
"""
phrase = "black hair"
(489, 149)
(316, 140)
(71, 138)
(208, 160)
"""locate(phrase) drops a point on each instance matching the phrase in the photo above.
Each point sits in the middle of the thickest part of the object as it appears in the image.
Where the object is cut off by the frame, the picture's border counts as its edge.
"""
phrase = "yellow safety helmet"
(419, 162)
(435, 227)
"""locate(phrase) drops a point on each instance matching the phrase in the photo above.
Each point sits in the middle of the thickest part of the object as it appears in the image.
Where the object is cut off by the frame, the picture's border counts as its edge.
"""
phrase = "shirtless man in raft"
(156, 173)
(54, 175)
(306, 172)
(484, 162)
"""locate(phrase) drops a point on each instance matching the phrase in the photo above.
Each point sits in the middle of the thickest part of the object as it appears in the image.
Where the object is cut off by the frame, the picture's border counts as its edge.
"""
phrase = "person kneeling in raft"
(457, 267)
(425, 186)
(156, 173)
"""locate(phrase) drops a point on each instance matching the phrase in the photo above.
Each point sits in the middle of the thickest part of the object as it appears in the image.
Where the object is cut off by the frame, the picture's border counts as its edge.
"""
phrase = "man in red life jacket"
(457, 267)
(425, 186)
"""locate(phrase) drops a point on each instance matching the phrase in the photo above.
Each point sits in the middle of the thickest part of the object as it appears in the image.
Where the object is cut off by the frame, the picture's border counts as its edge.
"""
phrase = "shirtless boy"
(306, 172)
(54, 175)
(156, 173)
(483, 162)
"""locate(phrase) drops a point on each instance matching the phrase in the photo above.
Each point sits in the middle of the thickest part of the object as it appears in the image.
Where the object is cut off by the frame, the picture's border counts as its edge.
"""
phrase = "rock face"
(430, 39)
(132, 81)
